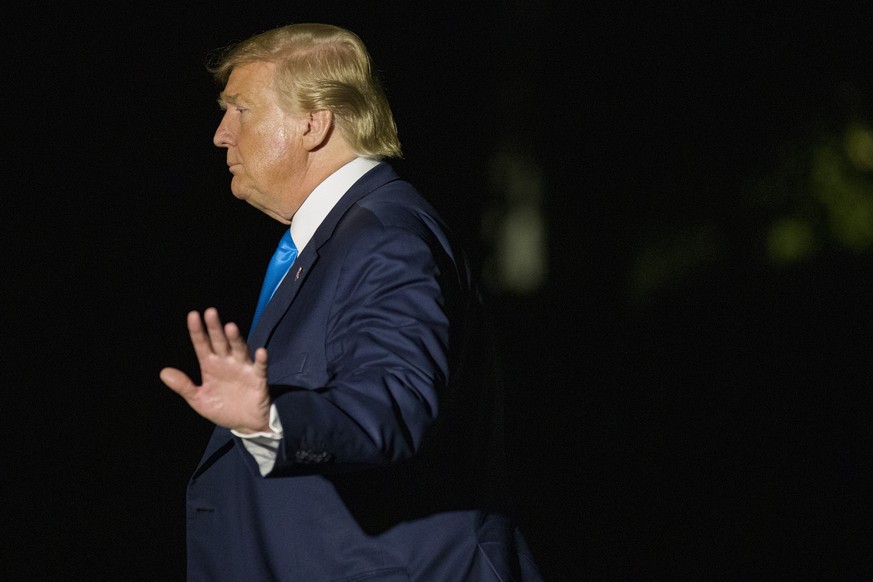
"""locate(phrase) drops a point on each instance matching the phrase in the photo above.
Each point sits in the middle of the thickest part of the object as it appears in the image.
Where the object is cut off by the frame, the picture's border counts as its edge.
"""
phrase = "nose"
(223, 135)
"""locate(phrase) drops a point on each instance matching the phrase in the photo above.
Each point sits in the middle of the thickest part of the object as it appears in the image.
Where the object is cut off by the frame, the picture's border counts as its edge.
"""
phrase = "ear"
(319, 126)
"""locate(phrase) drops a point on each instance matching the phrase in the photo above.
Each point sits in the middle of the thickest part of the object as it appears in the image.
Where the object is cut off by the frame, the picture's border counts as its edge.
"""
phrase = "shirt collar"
(321, 201)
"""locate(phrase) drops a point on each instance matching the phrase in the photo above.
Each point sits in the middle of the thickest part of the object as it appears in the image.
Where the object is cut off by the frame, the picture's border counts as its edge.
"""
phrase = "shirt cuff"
(275, 427)
(264, 446)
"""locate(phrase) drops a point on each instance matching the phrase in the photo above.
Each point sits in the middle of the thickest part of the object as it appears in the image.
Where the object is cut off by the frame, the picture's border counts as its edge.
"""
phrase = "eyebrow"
(224, 99)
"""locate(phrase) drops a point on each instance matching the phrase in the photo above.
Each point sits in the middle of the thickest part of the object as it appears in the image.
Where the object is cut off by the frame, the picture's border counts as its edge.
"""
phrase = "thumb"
(178, 381)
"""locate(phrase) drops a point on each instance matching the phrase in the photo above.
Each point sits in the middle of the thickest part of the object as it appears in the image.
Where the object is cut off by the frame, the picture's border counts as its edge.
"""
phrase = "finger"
(238, 346)
(199, 339)
(261, 362)
(215, 330)
(178, 382)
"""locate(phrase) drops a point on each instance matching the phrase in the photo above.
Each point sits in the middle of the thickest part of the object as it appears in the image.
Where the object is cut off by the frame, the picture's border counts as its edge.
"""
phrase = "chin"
(237, 192)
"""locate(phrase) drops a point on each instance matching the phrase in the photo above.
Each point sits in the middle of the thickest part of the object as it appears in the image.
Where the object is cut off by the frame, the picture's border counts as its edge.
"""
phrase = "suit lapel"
(287, 290)
(282, 299)
(222, 440)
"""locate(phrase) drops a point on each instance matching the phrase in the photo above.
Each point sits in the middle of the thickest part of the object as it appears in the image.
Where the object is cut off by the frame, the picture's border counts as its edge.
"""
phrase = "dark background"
(709, 420)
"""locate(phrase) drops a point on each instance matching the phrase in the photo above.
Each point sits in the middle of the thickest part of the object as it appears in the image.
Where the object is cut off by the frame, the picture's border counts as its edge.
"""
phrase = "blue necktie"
(285, 254)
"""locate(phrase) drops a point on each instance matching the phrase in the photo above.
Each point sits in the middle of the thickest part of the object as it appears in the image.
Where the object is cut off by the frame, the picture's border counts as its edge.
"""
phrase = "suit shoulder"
(397, 204)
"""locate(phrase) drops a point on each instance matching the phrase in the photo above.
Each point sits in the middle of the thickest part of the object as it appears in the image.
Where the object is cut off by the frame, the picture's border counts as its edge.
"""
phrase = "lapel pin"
(299, 270)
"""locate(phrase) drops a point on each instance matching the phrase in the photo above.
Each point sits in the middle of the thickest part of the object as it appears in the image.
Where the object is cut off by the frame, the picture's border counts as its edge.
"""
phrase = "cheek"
(266, 148)
(274, 156)
(276, 143)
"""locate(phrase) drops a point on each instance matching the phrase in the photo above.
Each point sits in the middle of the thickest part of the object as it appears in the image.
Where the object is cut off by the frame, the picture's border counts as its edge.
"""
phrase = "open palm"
(233, 393)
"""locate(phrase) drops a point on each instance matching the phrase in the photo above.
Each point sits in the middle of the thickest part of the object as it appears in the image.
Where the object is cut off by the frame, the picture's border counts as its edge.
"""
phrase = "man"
(357, 434)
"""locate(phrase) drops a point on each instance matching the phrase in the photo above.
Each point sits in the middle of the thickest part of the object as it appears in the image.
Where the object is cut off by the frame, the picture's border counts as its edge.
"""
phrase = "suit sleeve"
(387, 357)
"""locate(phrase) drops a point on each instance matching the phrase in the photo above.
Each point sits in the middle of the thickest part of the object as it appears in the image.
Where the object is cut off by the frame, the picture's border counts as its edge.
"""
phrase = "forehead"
(251, 83)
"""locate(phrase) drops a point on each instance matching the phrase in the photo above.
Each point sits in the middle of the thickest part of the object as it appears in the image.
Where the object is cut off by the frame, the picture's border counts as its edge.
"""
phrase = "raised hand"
(234, 391)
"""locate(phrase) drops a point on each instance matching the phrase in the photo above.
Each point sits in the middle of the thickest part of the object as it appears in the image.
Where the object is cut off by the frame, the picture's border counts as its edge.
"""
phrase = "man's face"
(263, 143)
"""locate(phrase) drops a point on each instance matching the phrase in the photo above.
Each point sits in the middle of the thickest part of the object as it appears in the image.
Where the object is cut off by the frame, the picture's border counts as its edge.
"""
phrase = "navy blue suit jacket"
(391, 463)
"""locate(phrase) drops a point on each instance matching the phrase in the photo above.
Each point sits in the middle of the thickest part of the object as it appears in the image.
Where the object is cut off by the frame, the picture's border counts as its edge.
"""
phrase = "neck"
(321, 163)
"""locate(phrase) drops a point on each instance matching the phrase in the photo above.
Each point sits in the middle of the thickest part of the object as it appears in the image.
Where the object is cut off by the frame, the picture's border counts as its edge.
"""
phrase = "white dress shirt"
(307, 219)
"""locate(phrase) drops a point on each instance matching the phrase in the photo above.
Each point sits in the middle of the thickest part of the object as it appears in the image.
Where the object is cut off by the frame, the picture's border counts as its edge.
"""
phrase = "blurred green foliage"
(816, 197)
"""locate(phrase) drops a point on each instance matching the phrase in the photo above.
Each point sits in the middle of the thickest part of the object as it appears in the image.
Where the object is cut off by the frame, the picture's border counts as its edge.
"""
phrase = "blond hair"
(321, 66)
